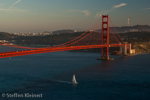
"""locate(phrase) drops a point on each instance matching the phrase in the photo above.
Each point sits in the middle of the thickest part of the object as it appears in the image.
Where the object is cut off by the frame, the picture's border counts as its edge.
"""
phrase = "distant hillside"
(124, 29)
(63, 31)
(136, 36)
(5, 36)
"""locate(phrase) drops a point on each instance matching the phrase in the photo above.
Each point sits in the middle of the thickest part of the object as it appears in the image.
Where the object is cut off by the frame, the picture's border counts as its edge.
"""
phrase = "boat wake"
(61, 81)
(73, 81)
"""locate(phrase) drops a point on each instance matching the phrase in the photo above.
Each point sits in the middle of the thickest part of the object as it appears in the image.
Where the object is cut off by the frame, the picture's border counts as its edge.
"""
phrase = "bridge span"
(103, 40)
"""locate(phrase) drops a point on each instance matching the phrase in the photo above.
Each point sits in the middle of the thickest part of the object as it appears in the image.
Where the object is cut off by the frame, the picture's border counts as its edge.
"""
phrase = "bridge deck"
(54, 49)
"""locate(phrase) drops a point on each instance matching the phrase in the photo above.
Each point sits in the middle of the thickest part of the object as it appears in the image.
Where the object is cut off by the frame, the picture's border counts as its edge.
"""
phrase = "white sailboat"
(74, 80)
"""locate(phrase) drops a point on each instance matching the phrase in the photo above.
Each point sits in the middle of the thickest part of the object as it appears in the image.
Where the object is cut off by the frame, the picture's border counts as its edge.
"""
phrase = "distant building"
(134, 30)
(75, 31)
(4, 41)
(47, 34)
(132, 51)
(90, 30)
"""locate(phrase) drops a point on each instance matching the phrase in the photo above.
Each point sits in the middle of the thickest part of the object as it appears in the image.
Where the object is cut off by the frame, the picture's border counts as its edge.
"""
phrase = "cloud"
(86, 12)
(13, 9)
(120, 5)
(16, 3)
(99, 14)
(146, 9)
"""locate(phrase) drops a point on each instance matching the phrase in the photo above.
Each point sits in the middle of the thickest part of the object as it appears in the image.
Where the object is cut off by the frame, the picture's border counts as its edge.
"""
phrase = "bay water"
(49, 75)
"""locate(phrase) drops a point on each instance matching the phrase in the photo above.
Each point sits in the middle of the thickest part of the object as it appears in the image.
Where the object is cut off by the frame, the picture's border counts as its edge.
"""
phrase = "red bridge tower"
(105, 38)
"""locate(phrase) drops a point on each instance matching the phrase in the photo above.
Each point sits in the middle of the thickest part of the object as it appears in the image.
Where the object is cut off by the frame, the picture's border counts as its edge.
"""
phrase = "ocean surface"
(47, 76)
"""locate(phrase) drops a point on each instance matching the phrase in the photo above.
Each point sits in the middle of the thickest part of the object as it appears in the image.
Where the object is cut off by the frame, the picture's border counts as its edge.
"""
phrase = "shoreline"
(138, 54)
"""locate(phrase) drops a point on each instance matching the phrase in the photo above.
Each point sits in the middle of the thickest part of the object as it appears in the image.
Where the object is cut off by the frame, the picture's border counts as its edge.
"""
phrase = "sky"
(51, 15)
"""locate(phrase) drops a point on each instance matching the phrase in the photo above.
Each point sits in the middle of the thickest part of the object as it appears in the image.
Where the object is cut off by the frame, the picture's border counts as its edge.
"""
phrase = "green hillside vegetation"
(130, 37)
(5, 36)
(46, 40)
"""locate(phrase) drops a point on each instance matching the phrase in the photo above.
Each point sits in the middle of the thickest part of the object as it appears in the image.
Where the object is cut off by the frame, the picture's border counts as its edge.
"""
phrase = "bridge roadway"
(54, 49)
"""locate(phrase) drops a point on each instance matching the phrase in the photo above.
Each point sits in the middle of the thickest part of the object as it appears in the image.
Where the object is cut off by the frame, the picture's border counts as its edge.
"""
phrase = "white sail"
(74, 80)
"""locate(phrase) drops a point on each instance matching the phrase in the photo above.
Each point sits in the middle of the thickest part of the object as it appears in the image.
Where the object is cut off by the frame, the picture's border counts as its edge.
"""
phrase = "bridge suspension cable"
(78, 36)
(116, 31)
(15, 46)
(84, 36)
(14, 50)
(114, 35)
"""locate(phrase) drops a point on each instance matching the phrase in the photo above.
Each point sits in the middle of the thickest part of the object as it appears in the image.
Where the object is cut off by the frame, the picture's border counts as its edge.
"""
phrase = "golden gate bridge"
(87, 40)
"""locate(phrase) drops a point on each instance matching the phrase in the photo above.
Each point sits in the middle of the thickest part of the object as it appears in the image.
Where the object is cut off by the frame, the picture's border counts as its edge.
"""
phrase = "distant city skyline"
(51, 15)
